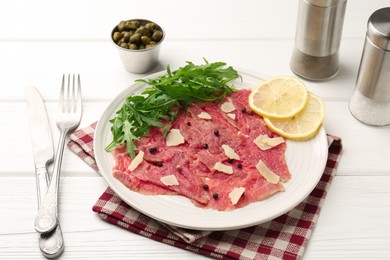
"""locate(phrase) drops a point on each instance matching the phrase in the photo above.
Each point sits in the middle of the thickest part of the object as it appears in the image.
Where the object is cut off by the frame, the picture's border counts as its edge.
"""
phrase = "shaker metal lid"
(378, 28)
(325, 3)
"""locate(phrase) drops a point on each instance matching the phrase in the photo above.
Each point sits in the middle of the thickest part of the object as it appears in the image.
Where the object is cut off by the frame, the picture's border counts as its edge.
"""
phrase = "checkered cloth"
(285, 237)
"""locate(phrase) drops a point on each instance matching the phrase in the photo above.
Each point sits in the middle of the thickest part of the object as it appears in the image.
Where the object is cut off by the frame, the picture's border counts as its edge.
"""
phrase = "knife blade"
(52, 244)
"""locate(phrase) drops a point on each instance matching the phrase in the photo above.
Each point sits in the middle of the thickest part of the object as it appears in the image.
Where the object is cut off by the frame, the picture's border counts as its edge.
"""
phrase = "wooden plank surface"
(352, 224)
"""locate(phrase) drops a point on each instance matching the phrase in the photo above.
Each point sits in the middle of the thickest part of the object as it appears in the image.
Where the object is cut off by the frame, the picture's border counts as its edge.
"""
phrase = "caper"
(135, 38)
(131, 25)
(137, 23)
(121, 26)
(145, 40)
(151, 44)
(135, 35)
(117, 36)
(151, 26)
(133, 46)
(143, 31)
(126, 36)
(157, 36)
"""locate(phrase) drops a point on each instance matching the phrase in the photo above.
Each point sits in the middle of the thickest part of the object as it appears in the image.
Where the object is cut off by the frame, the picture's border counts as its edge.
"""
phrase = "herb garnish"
(161, 101)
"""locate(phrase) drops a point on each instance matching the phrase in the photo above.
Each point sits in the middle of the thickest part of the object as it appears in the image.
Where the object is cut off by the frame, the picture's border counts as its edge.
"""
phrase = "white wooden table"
(41, 40)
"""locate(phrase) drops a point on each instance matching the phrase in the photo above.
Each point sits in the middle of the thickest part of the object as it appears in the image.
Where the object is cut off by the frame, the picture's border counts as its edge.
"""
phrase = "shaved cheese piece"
(236, 194)
(174, 138)
(264, 142)
(137, 161)
(269, 175)
(227, 107)
(223, 168)
(230, 153)
(204, 115)
(232, 116)
(169, 180)
(275, 141)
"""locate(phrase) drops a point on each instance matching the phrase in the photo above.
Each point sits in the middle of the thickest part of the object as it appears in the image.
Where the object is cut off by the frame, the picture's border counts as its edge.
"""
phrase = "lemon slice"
(303, 125)
(279, 97)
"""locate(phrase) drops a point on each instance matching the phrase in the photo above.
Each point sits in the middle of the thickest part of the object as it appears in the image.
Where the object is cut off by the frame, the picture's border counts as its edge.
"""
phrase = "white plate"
(306, 162)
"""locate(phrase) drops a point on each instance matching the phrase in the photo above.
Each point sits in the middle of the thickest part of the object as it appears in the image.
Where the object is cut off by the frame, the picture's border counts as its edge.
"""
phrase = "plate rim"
(112, 182)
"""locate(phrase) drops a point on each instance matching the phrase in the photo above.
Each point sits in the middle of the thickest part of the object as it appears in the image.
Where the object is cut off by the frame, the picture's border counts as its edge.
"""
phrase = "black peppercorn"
(205, 146)
(206, 187)
(152, 149)
(239, 165)
(230, 160)
(215, 195)
(216, 132)
(243, 109)
(249, 112)
(188, 123)
(159, 164)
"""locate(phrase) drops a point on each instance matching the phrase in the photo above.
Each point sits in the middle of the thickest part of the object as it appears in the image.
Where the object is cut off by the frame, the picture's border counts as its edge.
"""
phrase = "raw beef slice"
(193, 162)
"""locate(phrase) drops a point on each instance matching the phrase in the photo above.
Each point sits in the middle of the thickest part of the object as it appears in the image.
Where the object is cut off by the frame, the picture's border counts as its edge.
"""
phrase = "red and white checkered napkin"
(285, 237)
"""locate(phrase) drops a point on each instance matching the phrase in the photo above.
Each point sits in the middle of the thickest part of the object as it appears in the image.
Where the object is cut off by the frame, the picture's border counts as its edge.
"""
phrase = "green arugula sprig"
(159, 104)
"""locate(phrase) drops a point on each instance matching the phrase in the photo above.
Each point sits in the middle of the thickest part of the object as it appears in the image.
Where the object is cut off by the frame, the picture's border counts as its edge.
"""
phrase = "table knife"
(51, 244)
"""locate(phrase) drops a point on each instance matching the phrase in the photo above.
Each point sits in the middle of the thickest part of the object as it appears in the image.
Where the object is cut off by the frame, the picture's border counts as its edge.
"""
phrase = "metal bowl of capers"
(138, 43)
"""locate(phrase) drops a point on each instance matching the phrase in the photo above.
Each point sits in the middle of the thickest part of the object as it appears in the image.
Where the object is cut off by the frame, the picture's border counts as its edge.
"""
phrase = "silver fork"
(68, 118)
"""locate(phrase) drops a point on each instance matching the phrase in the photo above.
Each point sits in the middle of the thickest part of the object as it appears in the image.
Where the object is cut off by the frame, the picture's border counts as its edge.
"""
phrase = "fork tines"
(72, 94)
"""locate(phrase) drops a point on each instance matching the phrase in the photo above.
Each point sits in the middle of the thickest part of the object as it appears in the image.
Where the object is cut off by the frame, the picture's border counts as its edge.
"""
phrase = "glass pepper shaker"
(317, 39)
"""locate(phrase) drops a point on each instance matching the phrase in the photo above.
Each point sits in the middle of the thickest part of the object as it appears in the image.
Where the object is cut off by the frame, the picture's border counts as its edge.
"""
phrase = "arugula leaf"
(159, 104)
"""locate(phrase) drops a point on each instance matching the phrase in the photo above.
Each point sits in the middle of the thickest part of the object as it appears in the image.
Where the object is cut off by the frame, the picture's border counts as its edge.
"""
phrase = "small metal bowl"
(139, 61)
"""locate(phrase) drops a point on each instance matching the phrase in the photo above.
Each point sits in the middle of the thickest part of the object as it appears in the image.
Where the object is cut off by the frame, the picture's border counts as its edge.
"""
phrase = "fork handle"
(51, 244)
(46, 219)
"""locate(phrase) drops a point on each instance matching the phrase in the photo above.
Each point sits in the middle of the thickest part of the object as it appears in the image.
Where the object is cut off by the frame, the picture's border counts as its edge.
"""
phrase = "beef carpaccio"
(214, 159)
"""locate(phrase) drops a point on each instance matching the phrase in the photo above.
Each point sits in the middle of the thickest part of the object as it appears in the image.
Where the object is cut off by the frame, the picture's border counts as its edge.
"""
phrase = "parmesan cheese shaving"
(232, 116)
(169, 180)
(204, 115)
(269, 175)
(137, 161)
(227, 107)
(230, 153)
(236, 194)
(174, 138)
(223, 168)
(264, 142)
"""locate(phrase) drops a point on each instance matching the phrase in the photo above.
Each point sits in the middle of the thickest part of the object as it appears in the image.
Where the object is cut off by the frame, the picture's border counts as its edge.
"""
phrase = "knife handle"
(51, 244)
(47, 213)
(42, 182)
(46, 219)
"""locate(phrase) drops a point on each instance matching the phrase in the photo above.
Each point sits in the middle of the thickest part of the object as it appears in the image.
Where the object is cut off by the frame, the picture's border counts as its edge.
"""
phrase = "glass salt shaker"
(317, 39)
(370, 102)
